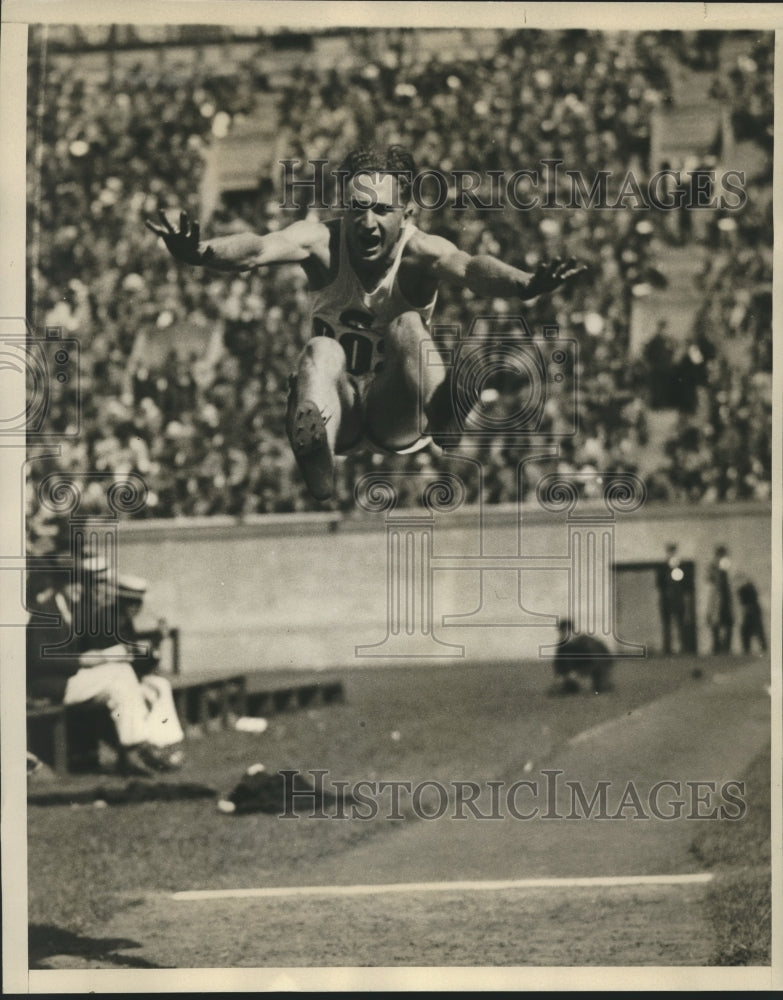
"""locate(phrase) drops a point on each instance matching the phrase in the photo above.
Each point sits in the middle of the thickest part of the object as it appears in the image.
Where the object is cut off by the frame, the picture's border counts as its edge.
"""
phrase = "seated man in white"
(95, 666)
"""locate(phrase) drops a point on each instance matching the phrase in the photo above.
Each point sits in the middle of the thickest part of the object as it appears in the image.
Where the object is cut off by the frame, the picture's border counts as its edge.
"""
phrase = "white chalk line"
(592, 882)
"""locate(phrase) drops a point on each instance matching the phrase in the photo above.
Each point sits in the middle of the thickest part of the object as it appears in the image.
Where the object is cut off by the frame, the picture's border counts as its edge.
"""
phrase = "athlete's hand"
(550, 275)
(183, 243)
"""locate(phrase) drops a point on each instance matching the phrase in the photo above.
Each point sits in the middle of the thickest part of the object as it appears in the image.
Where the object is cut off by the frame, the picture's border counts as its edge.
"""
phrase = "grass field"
(739, 903)
(406, 723)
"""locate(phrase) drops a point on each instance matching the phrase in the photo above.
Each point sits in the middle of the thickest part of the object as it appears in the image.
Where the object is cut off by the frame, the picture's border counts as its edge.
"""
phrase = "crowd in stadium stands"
(747, 90)
(722, 448)
(205, 428)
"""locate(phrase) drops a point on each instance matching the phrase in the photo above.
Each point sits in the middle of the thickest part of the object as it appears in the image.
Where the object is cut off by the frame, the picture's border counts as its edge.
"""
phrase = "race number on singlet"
(362, 345)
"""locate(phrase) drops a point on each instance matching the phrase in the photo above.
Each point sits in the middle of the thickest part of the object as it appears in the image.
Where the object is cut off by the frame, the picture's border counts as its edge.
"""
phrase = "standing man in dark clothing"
(675, 592)
(720, 604)
(752, 624)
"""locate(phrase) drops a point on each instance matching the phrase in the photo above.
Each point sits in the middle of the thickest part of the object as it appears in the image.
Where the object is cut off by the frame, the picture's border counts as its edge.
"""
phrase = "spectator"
(675, 601)
(580, 656)
(720, 604)
(752, 624)
(79, 665)
(659, 352)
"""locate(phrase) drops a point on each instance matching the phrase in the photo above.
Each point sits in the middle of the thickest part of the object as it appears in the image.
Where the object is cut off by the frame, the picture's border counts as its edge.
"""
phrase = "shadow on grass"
(124, 794)
(46, 941)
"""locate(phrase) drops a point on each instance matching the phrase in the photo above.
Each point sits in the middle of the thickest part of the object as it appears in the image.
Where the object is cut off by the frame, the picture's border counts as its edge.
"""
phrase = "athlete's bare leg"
(399, 406)
(323, 413)
(409, 397)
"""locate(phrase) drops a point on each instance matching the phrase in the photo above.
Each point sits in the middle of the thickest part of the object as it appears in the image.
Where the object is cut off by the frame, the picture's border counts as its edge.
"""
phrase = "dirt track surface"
(705, 732)
(661, 925)
(709, 736)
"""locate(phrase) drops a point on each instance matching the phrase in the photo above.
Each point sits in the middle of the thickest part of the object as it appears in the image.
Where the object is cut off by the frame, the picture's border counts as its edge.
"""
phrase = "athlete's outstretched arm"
(489, 277)
(238, 251)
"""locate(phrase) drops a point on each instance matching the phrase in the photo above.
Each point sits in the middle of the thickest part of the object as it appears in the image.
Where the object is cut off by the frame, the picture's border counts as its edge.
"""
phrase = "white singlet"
(358, 319)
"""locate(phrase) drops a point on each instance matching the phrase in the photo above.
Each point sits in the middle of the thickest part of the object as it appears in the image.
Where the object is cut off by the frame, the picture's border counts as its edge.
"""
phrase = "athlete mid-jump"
(373, 279)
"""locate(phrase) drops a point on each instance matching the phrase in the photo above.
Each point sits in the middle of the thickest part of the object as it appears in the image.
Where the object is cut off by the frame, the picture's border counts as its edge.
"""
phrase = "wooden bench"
(67, 737)
(46, 735)
(206, 701)
(290, 696)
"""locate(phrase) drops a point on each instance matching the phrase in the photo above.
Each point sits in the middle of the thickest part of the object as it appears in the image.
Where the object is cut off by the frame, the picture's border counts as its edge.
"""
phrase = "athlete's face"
(375, 216)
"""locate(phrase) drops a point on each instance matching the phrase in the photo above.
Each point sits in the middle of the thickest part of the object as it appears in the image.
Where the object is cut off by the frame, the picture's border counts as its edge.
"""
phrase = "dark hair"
(395, 160)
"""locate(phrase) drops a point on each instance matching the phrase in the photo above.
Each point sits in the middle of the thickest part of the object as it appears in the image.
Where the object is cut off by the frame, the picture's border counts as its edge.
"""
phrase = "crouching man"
(82, 666)
(580, 657)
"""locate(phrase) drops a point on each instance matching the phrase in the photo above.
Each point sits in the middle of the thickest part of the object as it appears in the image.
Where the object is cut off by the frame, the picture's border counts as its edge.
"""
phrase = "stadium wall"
(303, 591)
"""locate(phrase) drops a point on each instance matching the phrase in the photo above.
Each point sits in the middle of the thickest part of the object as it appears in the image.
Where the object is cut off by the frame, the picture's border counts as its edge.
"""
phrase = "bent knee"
(408, 329)
(125, 677)
(323, 352)
(160, 684)
(115, 671)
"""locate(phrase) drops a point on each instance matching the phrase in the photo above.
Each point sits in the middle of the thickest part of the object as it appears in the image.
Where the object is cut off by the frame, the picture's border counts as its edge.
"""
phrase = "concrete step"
(734, 46)
(685, 133)
(681, 263)
(661, 425)
(690, 86)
